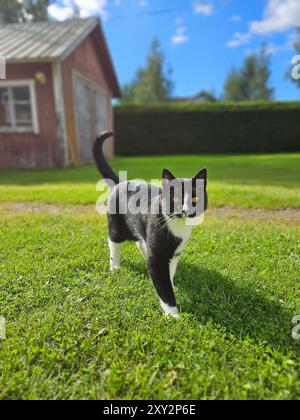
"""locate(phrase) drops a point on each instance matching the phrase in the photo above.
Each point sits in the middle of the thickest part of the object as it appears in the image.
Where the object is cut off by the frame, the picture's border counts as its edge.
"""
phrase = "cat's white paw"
(115, 267)
(170, 310)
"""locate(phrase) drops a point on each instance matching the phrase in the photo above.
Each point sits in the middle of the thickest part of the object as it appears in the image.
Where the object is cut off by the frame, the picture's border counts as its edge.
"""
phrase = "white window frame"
(35, 124)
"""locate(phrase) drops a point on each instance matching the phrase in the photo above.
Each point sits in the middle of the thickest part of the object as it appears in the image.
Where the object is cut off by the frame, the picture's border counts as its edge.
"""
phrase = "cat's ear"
(167, 175)
(202, 174)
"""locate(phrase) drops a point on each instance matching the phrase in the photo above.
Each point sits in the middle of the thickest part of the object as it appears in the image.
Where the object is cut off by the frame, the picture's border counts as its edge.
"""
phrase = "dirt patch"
(284, 215)
(288, 216)
(38, 208)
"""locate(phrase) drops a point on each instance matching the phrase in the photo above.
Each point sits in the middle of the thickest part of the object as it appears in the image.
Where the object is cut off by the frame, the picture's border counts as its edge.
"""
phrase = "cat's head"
(184, 198)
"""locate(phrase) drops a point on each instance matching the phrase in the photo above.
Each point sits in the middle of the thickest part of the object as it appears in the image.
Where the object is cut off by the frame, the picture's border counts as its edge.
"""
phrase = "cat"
(160, 235)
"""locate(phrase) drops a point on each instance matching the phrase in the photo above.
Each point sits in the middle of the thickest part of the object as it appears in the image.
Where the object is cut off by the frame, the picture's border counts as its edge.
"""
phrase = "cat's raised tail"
(105, 170)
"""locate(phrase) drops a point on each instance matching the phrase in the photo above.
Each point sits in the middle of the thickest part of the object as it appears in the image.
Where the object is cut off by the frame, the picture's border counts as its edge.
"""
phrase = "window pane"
(23, 115)
(21, 93)
(5, 119)
(3, 95)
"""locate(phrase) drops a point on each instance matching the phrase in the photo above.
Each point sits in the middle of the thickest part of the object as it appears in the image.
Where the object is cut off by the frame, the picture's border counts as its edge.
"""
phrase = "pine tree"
(151, 84)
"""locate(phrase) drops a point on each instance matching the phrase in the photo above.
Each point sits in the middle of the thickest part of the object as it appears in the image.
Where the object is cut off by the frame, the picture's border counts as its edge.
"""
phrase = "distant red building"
(57, 95)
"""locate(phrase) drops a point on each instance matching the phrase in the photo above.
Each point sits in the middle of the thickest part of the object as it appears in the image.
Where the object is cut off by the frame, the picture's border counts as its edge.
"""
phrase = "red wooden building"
(57, 94)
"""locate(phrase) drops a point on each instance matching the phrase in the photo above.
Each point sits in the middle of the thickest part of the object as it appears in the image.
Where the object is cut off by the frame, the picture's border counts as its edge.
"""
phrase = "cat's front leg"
(160, 274)
(115, 255)
(173, 267)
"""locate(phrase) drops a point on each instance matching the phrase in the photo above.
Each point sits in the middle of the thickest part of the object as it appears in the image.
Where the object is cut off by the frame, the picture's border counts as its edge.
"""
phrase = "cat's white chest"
(181, 230)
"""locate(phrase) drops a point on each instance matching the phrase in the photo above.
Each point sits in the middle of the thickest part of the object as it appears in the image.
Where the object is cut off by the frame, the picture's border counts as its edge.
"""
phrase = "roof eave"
(32, 60)
(82, 37)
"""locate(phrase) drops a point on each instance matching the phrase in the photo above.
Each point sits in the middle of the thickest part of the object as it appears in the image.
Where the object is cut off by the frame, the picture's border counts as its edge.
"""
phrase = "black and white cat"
(160, 235)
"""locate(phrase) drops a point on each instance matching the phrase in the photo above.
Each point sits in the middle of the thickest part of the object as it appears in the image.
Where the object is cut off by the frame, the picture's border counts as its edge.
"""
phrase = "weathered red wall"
(30, 150)
(84, 59)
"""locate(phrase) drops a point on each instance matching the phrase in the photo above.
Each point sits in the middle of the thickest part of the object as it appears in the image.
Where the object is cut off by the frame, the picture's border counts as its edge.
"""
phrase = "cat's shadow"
(243, 311)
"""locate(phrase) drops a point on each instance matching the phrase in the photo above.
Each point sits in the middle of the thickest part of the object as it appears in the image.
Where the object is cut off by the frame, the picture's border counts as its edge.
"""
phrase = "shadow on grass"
(242, 311)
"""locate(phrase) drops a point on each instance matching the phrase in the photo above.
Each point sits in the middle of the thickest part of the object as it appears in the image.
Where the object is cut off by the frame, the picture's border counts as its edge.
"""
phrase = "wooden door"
(91, 115)
(84, 111)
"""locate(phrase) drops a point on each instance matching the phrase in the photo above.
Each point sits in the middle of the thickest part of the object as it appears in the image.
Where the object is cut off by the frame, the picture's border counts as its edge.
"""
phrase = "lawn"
(75, 330)
(263, 181)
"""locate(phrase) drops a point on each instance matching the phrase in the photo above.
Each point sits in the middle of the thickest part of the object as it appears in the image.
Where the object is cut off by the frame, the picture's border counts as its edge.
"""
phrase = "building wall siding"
(18, 150)
(85, 60)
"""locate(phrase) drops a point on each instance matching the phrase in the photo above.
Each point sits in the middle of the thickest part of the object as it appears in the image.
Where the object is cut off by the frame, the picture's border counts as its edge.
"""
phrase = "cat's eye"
(195, 200)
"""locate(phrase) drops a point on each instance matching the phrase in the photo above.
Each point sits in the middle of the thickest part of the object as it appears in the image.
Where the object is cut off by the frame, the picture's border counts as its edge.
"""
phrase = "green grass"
(74, 330)
(263, 181)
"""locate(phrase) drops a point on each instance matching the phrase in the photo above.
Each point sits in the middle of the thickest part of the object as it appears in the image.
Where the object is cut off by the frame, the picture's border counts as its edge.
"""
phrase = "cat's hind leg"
(142, 247)
(115, 255)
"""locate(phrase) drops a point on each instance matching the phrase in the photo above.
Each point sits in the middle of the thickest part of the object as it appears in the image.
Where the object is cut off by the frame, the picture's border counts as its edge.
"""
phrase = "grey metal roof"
(43, 40)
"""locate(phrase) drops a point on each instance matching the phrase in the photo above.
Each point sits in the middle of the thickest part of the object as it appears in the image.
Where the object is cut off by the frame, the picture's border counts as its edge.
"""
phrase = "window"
(17, 107)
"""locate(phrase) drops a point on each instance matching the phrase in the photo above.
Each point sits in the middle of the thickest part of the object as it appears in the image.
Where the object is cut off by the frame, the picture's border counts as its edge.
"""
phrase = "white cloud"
(178, 21)
(92, 7)
(272, 49)
(181, 36)
(60, 13)
(206, 9)
(236, 18)
(143, 3)
(279, 16)
(239, 39)
(86, 8)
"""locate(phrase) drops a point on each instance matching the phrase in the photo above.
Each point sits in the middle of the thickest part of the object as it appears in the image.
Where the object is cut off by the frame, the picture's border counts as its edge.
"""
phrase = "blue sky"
(202, 40)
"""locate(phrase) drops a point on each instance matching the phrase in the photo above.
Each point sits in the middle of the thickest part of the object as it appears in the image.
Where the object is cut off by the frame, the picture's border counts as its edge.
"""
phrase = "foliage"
(215, 128)
(14, 11)
(221, 106)
(151, 84)
(38, 9)
(251, 82)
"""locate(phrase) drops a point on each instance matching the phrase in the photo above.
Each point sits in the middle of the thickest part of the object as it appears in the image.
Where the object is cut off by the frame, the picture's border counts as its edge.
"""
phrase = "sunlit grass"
(263, 181)
(75, 330)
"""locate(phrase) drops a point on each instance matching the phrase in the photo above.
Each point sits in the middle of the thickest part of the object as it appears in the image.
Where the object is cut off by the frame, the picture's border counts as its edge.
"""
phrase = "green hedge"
(260, 127)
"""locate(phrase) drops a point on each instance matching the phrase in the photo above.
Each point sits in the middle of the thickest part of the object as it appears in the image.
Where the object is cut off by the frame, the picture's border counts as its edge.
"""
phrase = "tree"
(251, 82)
(36, 10)
(235, 86)
(17, 11)
(10, 11)
(151, 84)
